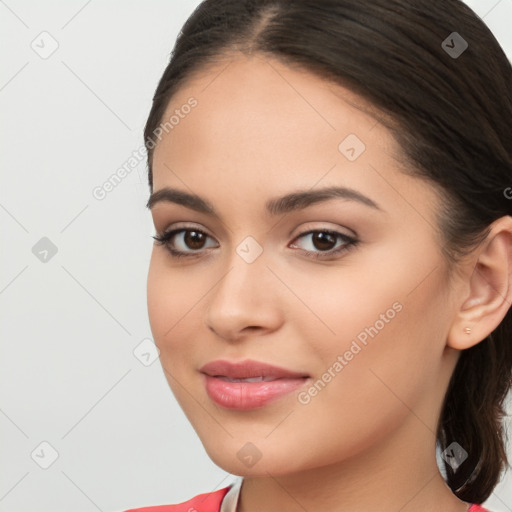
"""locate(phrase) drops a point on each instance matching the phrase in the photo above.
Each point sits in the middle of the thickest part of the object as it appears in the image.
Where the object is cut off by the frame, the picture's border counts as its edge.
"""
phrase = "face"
(349, 291)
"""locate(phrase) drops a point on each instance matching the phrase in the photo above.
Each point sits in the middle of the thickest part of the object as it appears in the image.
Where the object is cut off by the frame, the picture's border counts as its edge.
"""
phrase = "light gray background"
(68, 373)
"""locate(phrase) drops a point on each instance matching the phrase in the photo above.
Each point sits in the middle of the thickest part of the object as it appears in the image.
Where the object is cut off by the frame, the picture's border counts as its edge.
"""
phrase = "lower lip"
(249, 395)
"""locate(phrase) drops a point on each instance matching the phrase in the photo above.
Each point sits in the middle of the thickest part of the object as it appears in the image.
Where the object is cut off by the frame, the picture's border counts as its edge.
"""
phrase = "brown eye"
(323, 241)
(183, 242)
(194, 239)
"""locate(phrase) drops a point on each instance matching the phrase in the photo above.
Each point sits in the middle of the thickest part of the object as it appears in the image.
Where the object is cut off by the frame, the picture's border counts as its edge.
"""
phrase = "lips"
(249, 384)
(249, 369)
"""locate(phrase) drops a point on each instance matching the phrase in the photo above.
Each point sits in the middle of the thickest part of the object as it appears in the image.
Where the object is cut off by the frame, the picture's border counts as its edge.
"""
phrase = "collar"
(230, 500)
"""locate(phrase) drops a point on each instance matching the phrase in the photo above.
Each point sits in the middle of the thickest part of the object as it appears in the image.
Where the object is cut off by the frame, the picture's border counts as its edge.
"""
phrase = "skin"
(366, 441)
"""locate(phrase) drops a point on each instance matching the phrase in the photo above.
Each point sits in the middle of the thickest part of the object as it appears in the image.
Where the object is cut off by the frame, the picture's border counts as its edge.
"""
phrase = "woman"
(330, 286)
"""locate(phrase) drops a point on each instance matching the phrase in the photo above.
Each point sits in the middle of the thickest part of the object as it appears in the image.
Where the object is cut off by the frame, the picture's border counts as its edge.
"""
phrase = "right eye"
(187, 236)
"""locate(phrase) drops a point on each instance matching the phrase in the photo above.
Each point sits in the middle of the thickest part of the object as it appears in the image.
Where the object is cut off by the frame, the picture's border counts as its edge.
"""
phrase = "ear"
(487, 294)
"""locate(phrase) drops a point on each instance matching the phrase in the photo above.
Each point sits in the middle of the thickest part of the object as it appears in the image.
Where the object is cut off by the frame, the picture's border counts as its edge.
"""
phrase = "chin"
(246, 459)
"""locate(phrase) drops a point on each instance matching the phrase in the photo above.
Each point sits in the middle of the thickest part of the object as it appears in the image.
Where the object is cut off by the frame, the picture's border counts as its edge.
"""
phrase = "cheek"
(388, 325)
(170, 301)
(159, 299)
(398, 339)
(175, 300)
(169, 298)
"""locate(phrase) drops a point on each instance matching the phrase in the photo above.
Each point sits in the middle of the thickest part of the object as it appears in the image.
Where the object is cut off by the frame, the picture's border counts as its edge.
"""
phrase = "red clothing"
(207, 502)
(211, 502)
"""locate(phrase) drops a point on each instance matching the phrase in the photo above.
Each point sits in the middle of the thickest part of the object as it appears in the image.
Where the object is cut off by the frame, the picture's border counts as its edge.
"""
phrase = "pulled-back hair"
(451, 117)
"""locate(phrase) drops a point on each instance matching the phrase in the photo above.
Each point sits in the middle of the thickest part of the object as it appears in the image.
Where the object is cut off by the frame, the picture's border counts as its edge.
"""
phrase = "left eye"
(322, 240)
(194, 239)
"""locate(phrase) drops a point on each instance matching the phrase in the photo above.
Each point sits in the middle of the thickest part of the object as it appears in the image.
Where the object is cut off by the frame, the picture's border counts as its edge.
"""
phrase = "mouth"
(247, 379)
(249, 384)
(249, 369)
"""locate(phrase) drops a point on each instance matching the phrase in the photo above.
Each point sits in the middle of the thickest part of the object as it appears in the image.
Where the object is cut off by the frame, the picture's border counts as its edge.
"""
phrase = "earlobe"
(490, 289)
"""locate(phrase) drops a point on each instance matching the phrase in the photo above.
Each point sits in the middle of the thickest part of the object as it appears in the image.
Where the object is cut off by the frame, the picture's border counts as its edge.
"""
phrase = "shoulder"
(477, 508)
(207, 502)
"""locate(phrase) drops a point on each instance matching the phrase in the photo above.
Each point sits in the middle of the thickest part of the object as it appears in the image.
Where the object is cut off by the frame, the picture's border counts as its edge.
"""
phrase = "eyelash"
(350, 243)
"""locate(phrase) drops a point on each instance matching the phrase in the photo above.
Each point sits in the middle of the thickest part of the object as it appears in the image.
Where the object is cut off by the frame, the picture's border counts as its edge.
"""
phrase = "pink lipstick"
(248, 384)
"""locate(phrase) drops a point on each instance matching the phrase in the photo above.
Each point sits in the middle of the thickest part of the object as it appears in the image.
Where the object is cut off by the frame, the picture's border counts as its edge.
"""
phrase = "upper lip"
(247, 369)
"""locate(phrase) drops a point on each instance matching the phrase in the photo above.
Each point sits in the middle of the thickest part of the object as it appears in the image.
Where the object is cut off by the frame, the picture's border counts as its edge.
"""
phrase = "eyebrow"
(294, 201)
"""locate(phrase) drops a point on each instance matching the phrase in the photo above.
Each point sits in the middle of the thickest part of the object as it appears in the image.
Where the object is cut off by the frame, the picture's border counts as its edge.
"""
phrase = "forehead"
(257, 105)
(267, 79)
(259, 124)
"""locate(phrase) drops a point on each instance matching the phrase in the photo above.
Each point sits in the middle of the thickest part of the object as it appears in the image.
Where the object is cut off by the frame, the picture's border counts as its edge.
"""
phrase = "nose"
(245, 301)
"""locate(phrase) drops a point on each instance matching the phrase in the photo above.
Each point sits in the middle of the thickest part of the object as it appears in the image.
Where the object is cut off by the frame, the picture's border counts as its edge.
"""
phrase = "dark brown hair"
(450, 115)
